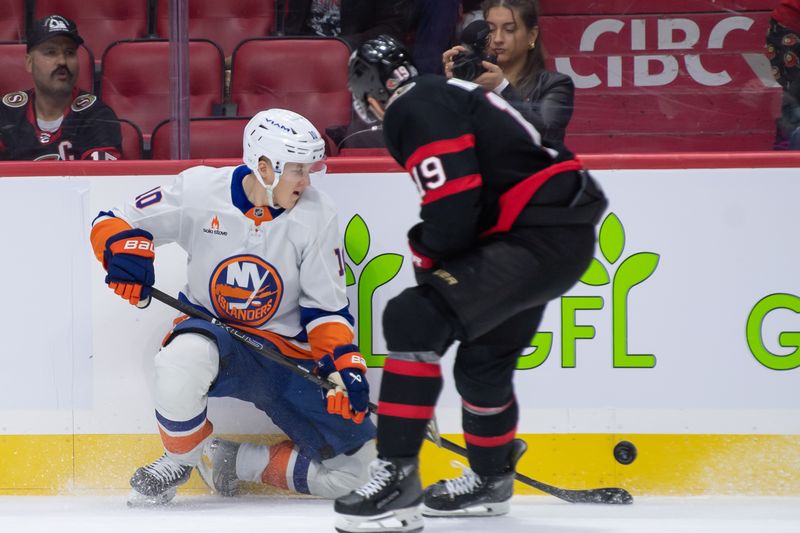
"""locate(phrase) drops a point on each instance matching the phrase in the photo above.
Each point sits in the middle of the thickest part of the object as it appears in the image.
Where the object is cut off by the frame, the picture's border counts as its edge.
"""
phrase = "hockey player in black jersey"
(56, 120)
(507, 225)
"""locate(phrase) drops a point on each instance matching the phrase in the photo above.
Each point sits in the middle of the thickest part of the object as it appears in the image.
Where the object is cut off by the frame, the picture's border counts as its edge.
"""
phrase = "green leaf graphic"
(631, 272)
(356, 239)
(635, 269)
(596, 275)
(612, 238)
(349, 277)
(378, 271)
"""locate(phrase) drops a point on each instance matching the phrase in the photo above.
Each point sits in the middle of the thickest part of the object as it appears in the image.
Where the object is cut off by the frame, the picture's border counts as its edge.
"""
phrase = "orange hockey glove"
(347, 369)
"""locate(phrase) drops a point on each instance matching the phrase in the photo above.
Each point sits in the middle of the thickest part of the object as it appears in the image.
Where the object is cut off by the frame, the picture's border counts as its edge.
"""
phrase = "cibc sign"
(709, 50)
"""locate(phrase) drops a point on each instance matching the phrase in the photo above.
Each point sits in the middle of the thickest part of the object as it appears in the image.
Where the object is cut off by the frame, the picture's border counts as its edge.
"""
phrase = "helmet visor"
(294, 172)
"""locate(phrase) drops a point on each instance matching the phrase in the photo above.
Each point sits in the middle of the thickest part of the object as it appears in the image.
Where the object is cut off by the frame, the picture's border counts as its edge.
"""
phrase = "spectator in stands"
(56, 120)
(433, 27)
(353, 21)
(783, 49)
(470, 12)
(545, 98)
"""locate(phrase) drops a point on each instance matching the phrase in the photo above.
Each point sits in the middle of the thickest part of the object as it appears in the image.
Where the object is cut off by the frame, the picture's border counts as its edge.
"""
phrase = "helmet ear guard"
(377, 69)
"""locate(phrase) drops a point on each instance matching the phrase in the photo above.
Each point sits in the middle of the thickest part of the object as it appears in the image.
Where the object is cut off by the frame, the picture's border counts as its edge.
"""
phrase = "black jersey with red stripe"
(89, 130)
(478, 164)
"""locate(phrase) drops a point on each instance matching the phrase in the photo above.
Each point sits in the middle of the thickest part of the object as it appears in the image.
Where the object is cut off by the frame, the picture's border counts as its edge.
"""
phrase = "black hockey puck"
(625, 452)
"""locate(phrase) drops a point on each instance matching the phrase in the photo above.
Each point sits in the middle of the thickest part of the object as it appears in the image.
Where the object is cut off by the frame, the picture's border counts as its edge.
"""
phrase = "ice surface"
(266, 514)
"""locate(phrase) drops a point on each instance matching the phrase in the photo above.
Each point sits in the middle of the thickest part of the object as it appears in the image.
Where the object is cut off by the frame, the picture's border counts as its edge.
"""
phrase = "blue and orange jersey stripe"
(280, 456)
(325, 330)
(327, 333)
(184, 436)
(102, 230)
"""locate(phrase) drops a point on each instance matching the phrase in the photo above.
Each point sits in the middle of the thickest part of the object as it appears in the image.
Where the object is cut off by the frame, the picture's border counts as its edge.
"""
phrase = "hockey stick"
(608, 495)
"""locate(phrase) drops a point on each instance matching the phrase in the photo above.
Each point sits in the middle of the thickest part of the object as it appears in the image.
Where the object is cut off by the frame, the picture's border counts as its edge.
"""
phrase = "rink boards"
(681, 338)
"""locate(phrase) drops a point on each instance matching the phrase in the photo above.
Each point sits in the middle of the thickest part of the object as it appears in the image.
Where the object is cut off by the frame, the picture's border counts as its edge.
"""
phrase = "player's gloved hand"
(421, 257)
(346, 368)
(128, 259)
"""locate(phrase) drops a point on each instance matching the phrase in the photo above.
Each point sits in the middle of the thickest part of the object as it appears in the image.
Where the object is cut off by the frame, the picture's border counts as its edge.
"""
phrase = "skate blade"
(206, 474)
(137, 499)
(484, 509)
(399, 521)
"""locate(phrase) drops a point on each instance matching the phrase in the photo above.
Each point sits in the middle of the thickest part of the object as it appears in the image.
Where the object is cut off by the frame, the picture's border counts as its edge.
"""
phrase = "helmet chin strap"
(268, 188)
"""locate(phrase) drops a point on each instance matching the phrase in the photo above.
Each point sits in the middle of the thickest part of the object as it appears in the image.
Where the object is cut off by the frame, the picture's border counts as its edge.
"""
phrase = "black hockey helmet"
(377, 68)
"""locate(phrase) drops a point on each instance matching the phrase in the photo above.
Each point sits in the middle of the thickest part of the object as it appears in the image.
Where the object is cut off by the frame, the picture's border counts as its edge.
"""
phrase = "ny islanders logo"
(245, 289)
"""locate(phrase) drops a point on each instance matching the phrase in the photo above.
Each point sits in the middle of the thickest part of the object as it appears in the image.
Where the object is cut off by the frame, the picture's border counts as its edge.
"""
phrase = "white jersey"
(282, 276)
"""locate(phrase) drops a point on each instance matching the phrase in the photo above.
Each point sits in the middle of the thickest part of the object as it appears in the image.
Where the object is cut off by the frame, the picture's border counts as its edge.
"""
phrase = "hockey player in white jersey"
(264, 254)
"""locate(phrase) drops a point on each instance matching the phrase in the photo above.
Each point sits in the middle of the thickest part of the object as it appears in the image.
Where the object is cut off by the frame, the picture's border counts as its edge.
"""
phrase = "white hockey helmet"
(283, 136)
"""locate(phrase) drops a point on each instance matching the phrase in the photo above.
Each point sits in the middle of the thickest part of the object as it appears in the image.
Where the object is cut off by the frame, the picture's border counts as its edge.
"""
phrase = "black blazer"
(361, 19)
(547, 105)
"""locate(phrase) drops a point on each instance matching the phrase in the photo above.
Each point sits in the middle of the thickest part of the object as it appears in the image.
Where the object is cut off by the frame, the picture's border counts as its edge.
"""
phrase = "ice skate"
(472, 494)
(218, 466)
(157, 483)
(387, 503)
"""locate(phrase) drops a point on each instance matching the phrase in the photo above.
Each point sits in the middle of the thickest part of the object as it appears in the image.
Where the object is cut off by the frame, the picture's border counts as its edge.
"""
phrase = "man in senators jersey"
(55, 119)
(508, 224)
(265, 255)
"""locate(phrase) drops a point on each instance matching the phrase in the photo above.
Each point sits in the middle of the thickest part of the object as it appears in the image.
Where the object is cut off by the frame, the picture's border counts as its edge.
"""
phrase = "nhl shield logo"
(44, 137)
(246, 290)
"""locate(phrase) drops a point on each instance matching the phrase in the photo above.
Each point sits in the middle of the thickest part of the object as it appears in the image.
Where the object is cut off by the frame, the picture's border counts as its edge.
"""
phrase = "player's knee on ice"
(339, 475)
(417, 320)
(326, 479)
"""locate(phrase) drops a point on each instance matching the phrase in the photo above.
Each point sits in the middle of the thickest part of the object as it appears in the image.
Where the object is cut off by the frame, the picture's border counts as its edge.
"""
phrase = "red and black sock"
(488, 432)
(409, 390)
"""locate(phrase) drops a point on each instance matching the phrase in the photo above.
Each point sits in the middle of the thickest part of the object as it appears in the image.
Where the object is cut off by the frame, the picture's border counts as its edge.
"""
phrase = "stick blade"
(604, 496)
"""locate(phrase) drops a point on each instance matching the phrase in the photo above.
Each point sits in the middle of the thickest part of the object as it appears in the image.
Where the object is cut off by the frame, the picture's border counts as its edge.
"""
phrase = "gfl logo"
(651, 70)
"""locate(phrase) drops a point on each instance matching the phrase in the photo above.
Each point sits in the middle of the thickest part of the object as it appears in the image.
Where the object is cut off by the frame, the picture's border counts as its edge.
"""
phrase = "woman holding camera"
(545, 98)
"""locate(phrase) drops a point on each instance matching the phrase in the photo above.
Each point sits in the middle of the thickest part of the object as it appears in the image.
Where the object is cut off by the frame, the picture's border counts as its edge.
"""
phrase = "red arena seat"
(136, 83)
(308, 76)
(99, 22)
(225, 23)
(208, 138)
(132, 142)
(16, 78)
(12, 20)
(364, 152)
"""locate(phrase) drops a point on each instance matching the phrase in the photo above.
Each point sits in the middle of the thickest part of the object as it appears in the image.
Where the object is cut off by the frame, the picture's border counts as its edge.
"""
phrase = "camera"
(475, 38)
